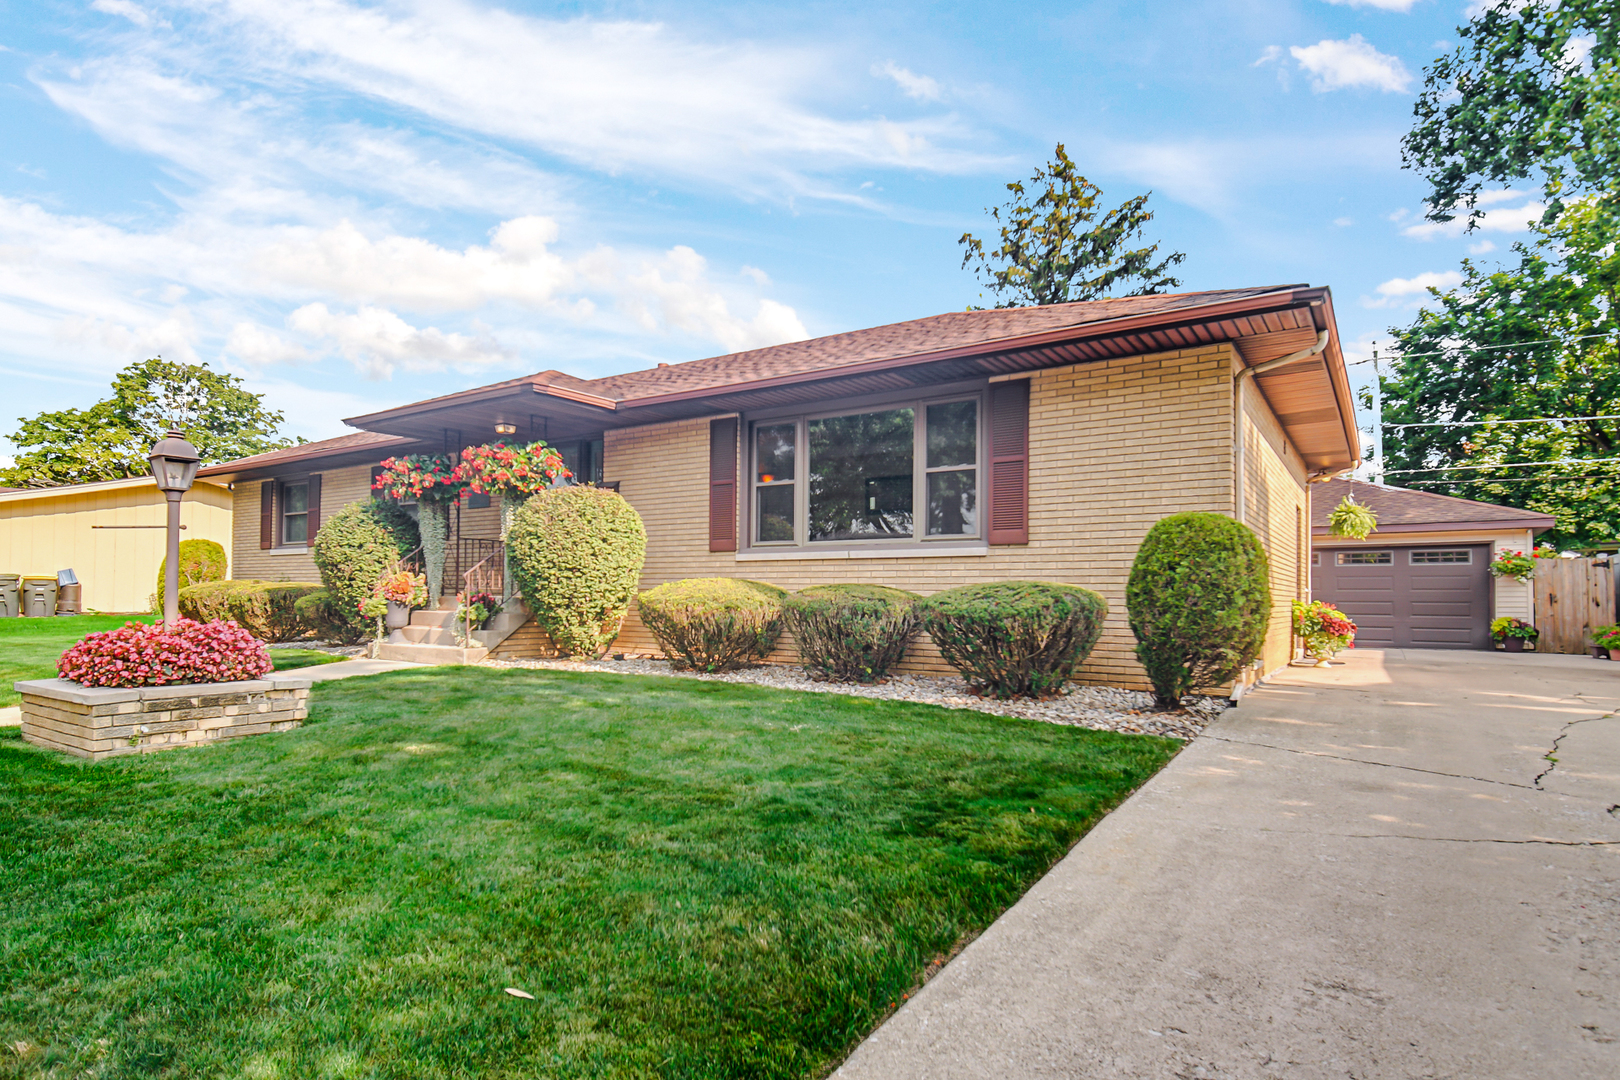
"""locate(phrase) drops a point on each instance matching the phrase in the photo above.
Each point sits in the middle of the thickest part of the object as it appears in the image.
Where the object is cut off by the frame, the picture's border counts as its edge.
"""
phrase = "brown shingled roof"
(936, 333)
(1403, 509)
(287, 455)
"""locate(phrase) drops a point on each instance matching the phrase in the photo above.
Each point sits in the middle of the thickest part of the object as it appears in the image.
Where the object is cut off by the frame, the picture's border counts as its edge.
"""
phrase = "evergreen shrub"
(1015, 638)
(266, 609)
(400, 524)
(576, 555)
(852, 633)
(318, 613)
(200, 561)
(354, 550)
(1199, 599)
(714, 624)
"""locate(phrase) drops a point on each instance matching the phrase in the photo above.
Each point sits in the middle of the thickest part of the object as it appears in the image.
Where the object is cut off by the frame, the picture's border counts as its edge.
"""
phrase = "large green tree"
(1530, 93)
(1055, 248)
(1520, 343)
(111, 439)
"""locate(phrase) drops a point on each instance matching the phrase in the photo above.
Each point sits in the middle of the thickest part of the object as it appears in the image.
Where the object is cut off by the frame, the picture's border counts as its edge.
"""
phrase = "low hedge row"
(266, 609)
(1007, 638)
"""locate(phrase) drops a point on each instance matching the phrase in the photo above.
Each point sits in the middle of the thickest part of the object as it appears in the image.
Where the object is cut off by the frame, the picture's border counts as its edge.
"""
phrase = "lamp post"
(174, 467)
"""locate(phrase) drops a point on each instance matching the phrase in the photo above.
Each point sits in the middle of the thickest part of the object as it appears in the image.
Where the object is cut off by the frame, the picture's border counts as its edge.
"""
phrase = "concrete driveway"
(1369, 871)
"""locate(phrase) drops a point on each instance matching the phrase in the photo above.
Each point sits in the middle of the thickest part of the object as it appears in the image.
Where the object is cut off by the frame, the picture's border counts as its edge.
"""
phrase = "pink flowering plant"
(192, 652)
(428, 478)
(511, 472)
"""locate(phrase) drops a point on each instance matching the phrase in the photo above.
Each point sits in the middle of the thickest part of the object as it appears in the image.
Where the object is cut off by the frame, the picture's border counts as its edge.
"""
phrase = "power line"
(1506, 480)
(1503, 465)
(1476, 348)
(1478, 423)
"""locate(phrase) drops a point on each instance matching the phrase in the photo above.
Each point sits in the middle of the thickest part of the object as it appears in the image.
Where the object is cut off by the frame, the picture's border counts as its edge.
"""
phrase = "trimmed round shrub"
(317, 613)
(353, 551)
(139, 655)
(1015, 638)
(1199, 599)
(200, 561)
(267, 609)
(576, 555)
(714, 624)
(399, 523)
(852, 633)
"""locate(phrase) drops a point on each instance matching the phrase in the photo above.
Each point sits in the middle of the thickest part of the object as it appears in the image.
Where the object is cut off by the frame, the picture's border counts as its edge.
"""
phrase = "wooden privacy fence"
(1572, 596)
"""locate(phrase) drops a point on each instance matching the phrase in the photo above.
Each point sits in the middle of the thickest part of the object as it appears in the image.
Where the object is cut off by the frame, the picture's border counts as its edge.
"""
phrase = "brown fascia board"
(1538, 522)
(1338, 370)
(1251, 305)
(298, 463)
(477, 395)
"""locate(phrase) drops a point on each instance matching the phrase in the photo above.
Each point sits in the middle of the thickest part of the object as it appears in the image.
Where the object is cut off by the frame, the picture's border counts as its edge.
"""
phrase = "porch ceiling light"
(505, 429)
(174, 463)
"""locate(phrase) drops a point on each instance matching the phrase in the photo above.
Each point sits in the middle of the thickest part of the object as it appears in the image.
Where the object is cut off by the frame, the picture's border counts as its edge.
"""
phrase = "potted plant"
(1325, 629)
(1513, 633)
(403, 591)
(1513, 564)
(1606, 642)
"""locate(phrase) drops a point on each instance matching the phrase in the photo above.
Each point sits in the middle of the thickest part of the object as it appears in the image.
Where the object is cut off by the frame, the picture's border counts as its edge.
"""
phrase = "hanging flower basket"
(1351, 520)
(1513, 564)
(1325, 629)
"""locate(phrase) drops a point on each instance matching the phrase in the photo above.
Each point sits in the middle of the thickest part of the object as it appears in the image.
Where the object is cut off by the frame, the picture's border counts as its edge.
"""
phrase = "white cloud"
(1344, 222)
(377, 341)
(256, 346)
(1402, 6)
(1273, 52)
(1400, 292)
(1351, 64)
(1504, 219)
(1484, 247)
(914, 86)
(124, 8)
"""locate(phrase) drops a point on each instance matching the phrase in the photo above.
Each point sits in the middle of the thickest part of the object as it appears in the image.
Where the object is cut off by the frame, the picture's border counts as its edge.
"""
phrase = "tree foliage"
(111, 439)
(1517, 343)
(1055, 249)
(1531, 92)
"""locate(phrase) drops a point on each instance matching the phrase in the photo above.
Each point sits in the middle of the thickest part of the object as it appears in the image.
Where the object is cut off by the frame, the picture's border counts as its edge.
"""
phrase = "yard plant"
(691, 879)
(354, 549)
(1199, 598)
(1015, 638)
(200, 561)
(269, 609)
(852, 633)
(714, 624)
(576, 555)
(158, 654)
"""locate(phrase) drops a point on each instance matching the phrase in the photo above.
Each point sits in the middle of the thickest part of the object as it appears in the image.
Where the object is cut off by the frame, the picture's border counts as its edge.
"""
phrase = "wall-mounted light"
(506, 429)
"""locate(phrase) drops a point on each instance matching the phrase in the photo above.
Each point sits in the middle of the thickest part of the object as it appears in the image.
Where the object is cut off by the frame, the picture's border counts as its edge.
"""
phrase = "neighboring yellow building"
(109, 534)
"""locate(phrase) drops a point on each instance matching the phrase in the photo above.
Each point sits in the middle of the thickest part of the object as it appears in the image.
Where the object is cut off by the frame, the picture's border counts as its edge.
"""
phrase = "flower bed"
(140, 655)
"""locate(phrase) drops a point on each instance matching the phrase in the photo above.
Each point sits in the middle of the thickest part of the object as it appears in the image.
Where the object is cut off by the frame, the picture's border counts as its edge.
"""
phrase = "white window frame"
(919, 541)
(1466, 560)
(282, 515)
(1346, 558)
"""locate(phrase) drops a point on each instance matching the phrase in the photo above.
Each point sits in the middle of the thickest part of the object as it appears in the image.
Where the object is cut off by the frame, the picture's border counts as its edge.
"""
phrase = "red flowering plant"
(1325, 629)
(429, 478)
(511, 472)
(403, 587)
(139, 655)
(1513, 564)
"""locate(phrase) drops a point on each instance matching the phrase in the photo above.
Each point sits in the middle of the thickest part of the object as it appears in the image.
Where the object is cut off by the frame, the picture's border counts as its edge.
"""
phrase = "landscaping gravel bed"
(320, 646)
(1103, 707)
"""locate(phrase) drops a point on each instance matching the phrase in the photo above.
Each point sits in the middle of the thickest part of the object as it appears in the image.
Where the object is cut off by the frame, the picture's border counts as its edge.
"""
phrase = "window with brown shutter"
(1009, 462)
(314, 505)
(723, 484)
(267, 514)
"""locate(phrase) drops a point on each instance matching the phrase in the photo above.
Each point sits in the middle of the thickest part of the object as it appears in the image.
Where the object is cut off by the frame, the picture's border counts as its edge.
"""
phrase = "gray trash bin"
(68, 592)
(39, 597)
(10, 587)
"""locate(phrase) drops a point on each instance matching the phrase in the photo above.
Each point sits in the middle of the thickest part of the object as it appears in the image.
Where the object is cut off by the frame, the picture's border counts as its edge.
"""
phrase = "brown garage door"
(1430, 597)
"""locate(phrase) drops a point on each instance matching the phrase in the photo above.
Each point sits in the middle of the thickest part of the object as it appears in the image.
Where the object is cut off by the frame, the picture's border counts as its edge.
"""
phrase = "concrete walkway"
(1368, 871)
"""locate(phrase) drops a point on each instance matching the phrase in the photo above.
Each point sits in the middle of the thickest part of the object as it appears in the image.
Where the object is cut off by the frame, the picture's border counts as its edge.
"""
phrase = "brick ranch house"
(973, 446)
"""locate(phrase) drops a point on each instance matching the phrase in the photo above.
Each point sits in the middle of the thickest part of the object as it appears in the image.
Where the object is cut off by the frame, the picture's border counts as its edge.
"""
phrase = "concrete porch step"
(441, 617)
(430, 654)
(426, 635)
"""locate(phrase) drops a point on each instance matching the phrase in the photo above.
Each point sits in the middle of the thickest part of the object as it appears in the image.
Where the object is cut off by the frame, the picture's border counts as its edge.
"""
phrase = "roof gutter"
(1238, 382)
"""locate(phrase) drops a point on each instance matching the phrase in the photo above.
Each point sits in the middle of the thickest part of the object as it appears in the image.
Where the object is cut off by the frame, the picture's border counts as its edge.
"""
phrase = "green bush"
(576, 555)
(318, 613)
(200, 561)
(1199, 599)
(353, 551)
(714, 624)
(1015, 638)
(399, 523)
(852, 633)
(266, 609)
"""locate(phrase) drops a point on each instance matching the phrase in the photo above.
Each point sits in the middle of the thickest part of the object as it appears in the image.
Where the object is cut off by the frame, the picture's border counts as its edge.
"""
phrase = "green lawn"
(693, 879)
(29, 648)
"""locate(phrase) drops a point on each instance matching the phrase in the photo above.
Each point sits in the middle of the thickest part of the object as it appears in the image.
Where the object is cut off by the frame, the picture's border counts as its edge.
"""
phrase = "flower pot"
(1614, 654)
(399, 615)
(1600, 653)
(1513, 644)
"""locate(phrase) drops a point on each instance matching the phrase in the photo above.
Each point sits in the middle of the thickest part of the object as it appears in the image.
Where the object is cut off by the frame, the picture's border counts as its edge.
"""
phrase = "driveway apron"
(1405, 866)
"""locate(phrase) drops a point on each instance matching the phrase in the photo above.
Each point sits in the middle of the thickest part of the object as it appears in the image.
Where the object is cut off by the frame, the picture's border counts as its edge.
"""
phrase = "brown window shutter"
(314, 505)
(1009, 462)
(723, 484)
(267, 514)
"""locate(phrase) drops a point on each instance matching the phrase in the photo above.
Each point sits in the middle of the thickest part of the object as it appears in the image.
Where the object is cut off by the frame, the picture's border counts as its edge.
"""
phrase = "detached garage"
(1422, 580)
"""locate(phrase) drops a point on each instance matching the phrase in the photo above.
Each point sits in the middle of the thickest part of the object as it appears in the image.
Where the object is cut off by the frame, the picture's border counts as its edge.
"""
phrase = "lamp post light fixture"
(174, 467)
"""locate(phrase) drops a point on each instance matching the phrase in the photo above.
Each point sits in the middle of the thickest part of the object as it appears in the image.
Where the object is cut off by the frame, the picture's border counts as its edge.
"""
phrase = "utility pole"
(1378, 420)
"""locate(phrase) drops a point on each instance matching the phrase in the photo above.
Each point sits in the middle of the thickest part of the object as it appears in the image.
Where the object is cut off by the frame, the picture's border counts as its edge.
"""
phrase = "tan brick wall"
(339, 488)
(1275, 508)
(1114, 447)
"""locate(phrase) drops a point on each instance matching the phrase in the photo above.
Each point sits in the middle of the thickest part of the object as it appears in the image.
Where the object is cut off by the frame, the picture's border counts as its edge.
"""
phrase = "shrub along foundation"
(98, 722)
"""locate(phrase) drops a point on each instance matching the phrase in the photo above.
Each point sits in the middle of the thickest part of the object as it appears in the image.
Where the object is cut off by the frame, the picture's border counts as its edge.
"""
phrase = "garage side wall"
(1275, 507)
(1114, 447)
(116, 567)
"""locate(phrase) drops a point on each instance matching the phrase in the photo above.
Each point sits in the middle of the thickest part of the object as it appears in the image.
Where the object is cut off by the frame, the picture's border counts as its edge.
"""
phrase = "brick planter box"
(97, 722)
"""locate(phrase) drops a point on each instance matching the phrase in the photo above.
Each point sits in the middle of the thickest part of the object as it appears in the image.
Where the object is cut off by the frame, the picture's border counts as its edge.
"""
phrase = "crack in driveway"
(1380, 764)
(1476, 840)
(1551, 755)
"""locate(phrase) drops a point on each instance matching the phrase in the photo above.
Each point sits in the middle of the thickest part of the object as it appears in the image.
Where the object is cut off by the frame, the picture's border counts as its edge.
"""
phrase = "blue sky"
(355, 205)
